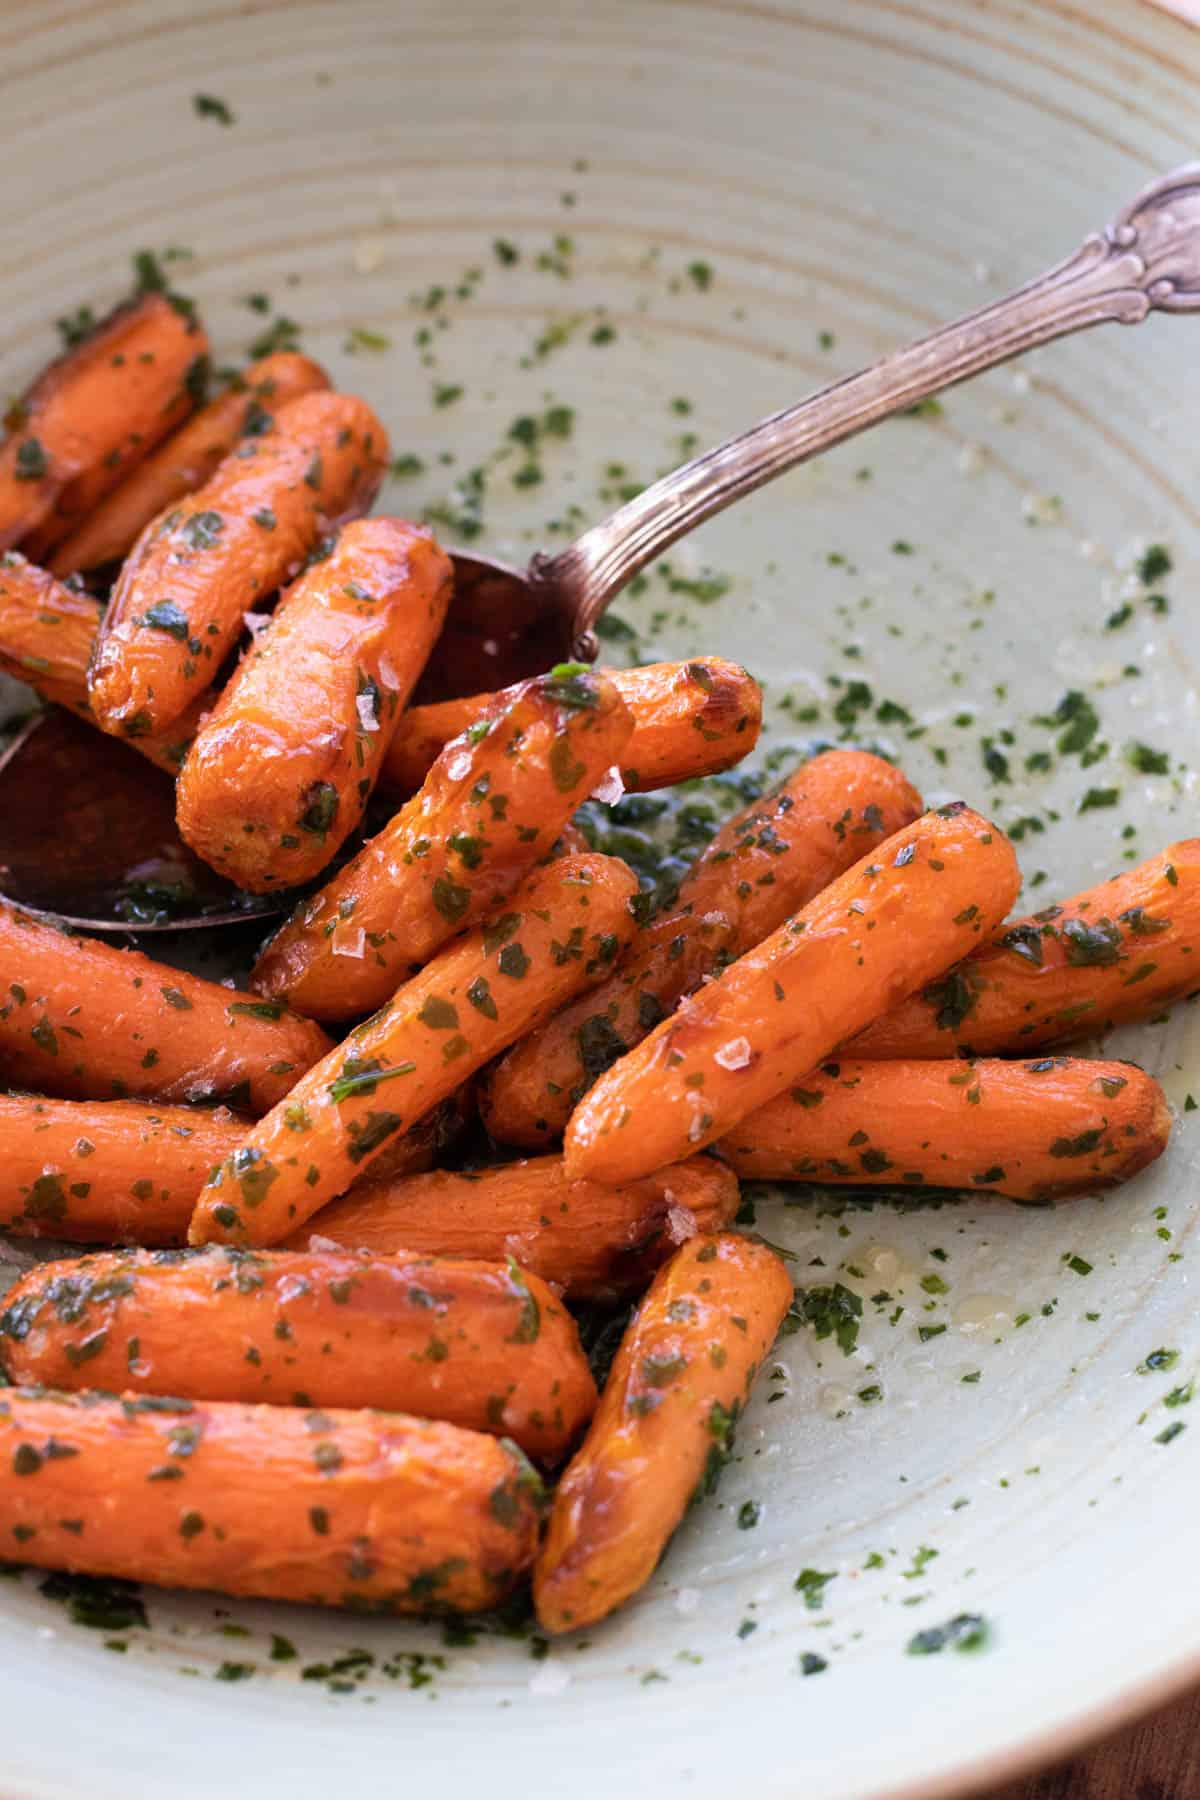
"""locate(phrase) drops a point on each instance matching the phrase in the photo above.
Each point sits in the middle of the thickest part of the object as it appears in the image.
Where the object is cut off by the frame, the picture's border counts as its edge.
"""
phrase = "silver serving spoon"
(507, 623)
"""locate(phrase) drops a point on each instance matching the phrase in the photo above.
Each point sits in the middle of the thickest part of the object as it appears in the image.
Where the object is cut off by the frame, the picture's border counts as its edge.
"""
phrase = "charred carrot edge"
(484, 1345)
(1106, 957)
(179, 603)
(491, 806)
(689, 719)
(565, 925)
(664, 1425)
(1035, 1131)
(96, 409)
(591, 1242)
(187, 459)
(374, 1511)
(770, 858)
(84, 1020)
(281, 772)
(885, 927)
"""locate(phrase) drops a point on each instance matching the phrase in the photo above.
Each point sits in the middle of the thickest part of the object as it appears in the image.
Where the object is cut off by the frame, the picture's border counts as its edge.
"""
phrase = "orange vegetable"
(1115, 953)
(769, 859)
(489, 809)
(592, 1242)
(281, 771)
(886, 926)
(482, 1345)
(187, 459)
(369, 1510)
(179, 603)
(664, 1425)
(85, 1020)
(478, 994)
(95, 410)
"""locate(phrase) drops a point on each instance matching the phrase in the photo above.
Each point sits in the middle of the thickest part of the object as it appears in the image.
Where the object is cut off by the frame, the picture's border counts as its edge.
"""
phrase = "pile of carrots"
(306, 1362)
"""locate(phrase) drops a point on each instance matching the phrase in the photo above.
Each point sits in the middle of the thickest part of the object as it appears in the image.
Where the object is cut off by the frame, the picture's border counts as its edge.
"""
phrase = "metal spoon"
(507, 623)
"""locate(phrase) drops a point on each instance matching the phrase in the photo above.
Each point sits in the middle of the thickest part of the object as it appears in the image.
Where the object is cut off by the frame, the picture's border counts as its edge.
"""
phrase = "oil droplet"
(834, 1402)
(985, 1312)
(889, 1265)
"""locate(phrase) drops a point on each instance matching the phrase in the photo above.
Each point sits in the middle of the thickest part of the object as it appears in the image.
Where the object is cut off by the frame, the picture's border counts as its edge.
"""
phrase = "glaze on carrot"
(374, 1511)
(664, 1425)
(884, 928)
(491, 806)
(180, 601)
(562, 929)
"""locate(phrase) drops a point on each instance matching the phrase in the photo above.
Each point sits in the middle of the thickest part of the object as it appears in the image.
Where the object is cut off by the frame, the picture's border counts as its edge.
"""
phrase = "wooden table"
(1156, 1760)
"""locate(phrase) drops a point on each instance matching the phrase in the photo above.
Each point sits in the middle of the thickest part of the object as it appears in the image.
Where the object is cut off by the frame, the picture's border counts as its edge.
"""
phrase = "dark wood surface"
(1156, 1760)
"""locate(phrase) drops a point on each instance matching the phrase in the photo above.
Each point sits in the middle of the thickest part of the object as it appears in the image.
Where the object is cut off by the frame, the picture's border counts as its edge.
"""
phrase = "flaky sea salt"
(610, 788)
(736, 1054)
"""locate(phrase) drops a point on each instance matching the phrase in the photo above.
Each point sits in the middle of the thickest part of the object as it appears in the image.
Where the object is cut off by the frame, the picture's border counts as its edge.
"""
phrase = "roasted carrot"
(375, 1511)
(565, 925)
(689, 719)
(187, 459)
(664, 1426)
(769, 859)
(591, 1242)
(1110, 955)
(82, 1019)
(181, 598)
(484, 1345)
(94, 410)
(1032, 1130)
(890, 923)
(491, 806)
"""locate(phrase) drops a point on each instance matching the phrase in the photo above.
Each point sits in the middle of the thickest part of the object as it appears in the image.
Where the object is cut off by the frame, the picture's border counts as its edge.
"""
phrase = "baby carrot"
(187, 459)
(1110, 955)
(891, 922)
(374, 1511)
(483, 1345)
(82, 1019)
(565, 925)
(97, 408)
(664, 1425)
(591, 1242)
(180, 600)
(1033, 1130)
(491, 806)
(280, 773)
(770, 858)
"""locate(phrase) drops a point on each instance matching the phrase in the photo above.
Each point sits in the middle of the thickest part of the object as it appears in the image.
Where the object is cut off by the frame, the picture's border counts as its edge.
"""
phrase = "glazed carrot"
(187, 459)
(1033, 1130)
(591, 1242)
(484, 1345)
(769, 859)
(1110, 955)
(180, 600)
(82, 1019)
(281, 772)
(664, 1425)
(99, 407)
(375, 1511)
(566, 923)
(689, 719)
(488, 810)
(879, 931)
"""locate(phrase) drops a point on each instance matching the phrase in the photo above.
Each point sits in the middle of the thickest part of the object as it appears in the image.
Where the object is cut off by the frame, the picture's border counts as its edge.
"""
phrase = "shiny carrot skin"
(180, 601)
(374, 1511)
(770, 858)
(484, 1345)
(563, 927)
(590, 1242)
(1108, 956)
(884, 928)
(81, 1019)
(488, 810)
(1036, 1131)
(280, 773)
(664, 1425)
(95, 409)
(187, 459)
